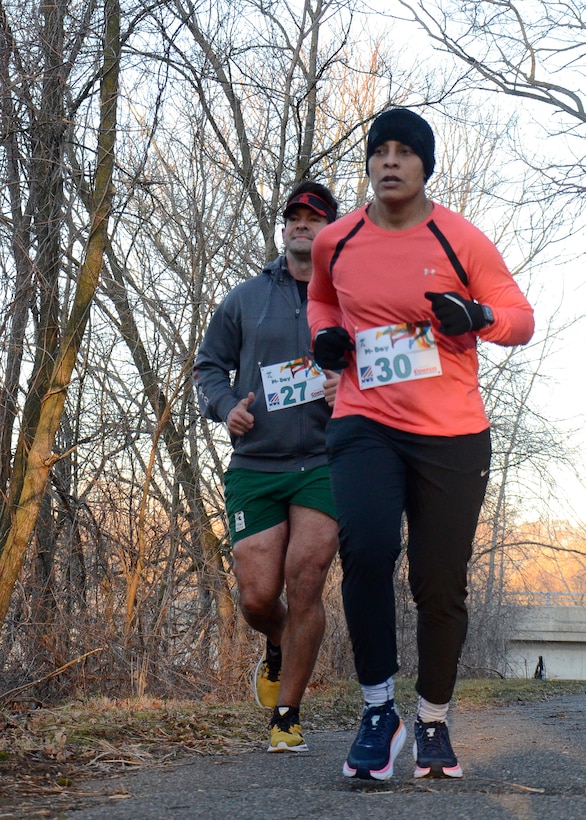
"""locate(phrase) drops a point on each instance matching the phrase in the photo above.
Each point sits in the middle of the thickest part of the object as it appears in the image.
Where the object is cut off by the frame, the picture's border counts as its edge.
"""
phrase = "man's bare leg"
(259, 566)
(313, 542)
(297, 554)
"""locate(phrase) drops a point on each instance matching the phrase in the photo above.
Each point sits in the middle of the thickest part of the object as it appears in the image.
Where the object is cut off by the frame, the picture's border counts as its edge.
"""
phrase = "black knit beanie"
(407, 127)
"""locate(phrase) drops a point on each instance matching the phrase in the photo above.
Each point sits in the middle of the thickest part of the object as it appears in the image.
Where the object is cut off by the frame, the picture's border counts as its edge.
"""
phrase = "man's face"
(396, 173)
(301, 227)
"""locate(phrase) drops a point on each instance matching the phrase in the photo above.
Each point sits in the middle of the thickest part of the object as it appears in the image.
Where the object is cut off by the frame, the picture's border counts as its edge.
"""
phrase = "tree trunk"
(46, 205)
(41, 458)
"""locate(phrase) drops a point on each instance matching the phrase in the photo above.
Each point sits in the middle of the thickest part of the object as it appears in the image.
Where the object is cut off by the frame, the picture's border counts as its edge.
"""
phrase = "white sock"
(432, 712)
(380, 693)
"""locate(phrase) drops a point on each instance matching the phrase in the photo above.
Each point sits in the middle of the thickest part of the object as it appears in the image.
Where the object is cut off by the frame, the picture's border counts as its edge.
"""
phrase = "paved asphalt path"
(523, 761)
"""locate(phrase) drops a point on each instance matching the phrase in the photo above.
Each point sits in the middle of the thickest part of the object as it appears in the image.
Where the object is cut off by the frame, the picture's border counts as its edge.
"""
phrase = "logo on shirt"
(428, 271)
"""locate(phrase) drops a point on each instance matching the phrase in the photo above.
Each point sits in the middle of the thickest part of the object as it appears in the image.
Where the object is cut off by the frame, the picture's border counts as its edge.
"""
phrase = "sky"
(563, 398)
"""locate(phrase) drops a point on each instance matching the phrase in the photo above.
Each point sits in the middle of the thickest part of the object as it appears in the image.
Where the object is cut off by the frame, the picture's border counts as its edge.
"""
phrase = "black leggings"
(377, 474)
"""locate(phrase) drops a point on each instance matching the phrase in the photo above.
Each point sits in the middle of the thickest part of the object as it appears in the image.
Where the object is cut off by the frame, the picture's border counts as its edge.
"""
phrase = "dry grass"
(103, 733)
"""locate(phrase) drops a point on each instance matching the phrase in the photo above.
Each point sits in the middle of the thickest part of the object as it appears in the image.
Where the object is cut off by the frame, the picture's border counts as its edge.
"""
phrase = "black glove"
(329, 347)
(456, 314)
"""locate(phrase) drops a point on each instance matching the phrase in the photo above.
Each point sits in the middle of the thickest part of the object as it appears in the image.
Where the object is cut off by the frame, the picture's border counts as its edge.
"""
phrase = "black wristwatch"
(488, 315)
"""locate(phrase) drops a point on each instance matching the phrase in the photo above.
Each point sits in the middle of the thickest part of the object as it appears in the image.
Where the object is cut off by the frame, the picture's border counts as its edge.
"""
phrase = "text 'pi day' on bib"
(396, 353)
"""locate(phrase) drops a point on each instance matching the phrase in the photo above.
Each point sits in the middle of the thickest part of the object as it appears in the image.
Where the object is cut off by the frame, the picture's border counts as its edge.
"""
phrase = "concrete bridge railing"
(557, 633)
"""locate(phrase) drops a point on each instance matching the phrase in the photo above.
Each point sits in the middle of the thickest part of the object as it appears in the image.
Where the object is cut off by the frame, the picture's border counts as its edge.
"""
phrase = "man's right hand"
(330, 386)
(239, 420)
(329, 347)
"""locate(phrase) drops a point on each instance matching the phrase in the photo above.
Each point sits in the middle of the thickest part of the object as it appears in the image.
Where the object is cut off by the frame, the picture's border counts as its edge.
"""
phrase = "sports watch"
(488, 315)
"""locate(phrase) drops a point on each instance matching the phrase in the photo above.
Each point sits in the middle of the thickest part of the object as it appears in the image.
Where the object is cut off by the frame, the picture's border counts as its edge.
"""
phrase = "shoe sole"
(397, 743)
(255, 691)
(283, 747)
(435, 771)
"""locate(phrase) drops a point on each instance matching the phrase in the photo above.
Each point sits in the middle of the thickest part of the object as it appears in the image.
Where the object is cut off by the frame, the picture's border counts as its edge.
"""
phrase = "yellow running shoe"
(285, 731)
(266, 680)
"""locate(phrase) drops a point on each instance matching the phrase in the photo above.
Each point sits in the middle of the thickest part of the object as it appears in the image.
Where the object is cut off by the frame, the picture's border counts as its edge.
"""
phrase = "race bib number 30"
(396, 353)
(290, 383)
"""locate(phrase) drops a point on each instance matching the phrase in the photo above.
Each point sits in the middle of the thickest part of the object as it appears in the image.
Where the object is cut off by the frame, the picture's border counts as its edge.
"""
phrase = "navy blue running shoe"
(432, 750)
(379, 740)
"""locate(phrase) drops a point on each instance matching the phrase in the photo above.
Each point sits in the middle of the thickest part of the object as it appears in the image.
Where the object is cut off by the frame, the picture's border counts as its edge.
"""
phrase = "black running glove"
(455, 314)
(329, 347)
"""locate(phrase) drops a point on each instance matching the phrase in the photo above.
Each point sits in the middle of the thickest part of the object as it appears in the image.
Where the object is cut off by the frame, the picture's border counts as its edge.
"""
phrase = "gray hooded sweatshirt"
(261, 322)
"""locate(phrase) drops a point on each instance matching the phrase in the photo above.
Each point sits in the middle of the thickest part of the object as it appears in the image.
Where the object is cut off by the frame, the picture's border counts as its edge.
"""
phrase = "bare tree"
(533, 52)
(222, 107)
(40, 457)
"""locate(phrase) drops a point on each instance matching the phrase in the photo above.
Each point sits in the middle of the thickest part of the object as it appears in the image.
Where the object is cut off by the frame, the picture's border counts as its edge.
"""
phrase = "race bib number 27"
(396, 353)
(288, 384)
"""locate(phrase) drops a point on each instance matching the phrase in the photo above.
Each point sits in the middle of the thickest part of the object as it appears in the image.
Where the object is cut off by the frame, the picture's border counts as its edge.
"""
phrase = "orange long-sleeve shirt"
(366, 277)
